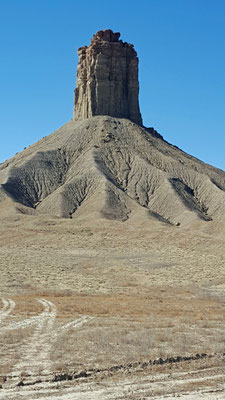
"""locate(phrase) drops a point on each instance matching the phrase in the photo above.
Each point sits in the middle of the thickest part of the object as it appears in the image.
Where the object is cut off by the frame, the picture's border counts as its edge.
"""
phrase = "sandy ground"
(207, 384)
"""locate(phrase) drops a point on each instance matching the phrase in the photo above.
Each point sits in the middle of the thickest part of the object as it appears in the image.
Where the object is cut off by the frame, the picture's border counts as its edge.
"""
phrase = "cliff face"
(107, 79)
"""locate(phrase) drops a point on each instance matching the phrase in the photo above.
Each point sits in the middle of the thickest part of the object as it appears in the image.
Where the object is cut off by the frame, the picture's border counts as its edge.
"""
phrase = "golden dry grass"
(125, 328)
(149, 293)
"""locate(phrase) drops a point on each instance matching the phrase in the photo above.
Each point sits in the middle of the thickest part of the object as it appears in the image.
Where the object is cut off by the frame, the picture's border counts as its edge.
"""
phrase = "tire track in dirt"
(35, 351)
(25, 322)
(34, 320)
(8, 306)
(75, 323)
(44, 342)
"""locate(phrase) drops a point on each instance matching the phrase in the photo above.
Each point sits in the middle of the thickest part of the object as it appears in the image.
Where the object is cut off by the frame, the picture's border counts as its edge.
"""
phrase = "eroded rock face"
(107, 79)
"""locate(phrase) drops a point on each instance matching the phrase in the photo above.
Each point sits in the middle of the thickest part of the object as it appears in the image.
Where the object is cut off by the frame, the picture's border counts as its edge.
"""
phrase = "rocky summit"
(104, 163)
(107, 79)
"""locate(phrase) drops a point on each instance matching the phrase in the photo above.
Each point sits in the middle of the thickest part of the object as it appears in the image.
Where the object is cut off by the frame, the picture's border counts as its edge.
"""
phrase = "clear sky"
(180, 44)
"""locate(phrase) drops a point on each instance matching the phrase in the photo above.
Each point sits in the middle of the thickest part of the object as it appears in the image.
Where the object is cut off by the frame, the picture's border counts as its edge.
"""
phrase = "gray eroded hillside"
(110, 167)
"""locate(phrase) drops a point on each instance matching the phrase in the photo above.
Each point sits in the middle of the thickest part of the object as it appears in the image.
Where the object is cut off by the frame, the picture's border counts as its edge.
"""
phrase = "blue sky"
(180, 44)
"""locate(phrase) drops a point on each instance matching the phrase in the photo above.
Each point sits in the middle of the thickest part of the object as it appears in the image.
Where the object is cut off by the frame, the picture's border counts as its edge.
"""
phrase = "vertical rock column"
(107, 79)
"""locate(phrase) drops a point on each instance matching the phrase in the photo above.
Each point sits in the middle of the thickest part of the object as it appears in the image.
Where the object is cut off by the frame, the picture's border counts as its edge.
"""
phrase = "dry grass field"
(103, 310)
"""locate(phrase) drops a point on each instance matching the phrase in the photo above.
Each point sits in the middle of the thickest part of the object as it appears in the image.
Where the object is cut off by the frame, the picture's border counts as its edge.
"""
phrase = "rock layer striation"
(107, 79)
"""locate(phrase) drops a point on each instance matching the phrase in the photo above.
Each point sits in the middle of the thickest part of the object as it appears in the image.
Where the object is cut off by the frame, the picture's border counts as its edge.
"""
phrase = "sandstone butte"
(111, 253)
(104, 164)
(107, 79)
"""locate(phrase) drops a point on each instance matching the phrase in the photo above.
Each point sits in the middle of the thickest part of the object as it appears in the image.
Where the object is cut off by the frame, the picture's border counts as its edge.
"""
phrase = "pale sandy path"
(26, 322)
(38, 318)
(35, 351)
(8, 306)
(75, 323)
(124, 388)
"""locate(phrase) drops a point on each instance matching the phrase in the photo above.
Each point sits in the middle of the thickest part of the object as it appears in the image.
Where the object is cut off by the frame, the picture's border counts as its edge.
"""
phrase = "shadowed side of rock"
(107, 79)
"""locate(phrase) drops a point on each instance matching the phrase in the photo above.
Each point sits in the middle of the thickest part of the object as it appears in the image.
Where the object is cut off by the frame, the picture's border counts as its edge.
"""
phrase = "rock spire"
(107, 79)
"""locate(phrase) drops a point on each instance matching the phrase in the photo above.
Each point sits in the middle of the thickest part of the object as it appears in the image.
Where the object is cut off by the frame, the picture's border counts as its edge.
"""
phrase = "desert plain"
(111, 310)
